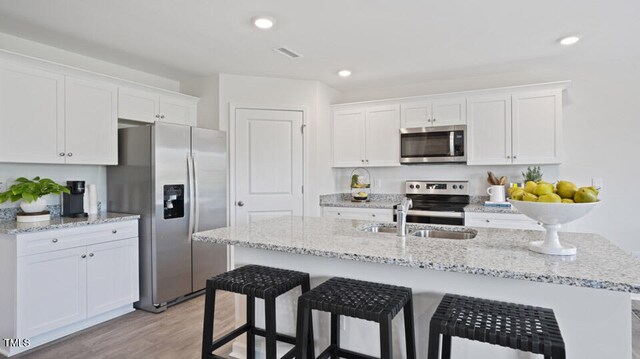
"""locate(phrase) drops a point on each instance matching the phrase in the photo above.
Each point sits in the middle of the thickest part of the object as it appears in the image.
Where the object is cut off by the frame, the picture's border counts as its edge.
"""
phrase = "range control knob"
(411, 186)
(418, 186)
(461, 186)
(455, 186)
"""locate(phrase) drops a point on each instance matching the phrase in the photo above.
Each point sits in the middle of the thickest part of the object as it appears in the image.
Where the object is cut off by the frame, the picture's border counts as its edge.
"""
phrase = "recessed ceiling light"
(263, 22)
(569, 40)
(344, 73)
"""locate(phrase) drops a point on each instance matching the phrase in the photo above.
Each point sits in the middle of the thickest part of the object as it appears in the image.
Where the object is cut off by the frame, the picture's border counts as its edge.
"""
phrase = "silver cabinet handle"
(339, 214)
(161, 116)
(114, 231)
(362, 161)
(61, 154)
(240, 203)
(434, 120)
(429, 120)
(158, 116)
(55, 240)
(83, 256)
(508, 157)
(70, 154)
(373, 215)
(90, 254)
(514, 157)
(488, 221)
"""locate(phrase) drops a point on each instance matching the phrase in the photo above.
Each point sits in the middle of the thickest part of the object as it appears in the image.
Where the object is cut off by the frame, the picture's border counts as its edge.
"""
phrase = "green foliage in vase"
(30, 190)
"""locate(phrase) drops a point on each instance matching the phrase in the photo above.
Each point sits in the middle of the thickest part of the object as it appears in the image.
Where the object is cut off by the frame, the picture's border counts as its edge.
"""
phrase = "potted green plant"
(31, 192)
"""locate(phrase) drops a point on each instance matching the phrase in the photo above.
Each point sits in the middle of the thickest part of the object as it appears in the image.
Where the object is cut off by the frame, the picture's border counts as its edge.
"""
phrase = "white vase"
(36, 206)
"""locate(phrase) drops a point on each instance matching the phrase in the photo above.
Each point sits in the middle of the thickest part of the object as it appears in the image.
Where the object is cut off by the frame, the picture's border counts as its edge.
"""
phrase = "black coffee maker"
(73, 203)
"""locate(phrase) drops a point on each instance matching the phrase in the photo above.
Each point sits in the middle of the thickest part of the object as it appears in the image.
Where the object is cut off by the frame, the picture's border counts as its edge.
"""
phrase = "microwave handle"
(452, 149)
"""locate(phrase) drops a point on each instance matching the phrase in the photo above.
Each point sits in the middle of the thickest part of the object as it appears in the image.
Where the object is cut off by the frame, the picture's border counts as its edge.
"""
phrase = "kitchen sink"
(380, 229)
(431, 233)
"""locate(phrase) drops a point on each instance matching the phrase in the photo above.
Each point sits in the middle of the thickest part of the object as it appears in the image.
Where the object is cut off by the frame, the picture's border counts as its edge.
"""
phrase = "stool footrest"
(343, 353)
(230, 336)
(279, 337)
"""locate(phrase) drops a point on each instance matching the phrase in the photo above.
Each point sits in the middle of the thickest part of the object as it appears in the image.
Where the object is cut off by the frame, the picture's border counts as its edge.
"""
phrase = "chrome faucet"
(402, 210)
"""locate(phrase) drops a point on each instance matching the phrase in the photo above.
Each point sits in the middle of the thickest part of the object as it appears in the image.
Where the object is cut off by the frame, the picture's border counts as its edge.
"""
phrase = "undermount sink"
(380, 229)
(430, 233)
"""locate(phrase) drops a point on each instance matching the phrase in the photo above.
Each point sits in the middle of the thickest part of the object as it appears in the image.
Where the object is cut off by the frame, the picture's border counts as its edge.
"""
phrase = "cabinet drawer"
(365, 214)
(54, 240)
(501, 220)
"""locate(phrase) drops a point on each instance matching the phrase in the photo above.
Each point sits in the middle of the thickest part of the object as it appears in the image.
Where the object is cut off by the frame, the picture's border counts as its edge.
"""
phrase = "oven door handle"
(439, 214)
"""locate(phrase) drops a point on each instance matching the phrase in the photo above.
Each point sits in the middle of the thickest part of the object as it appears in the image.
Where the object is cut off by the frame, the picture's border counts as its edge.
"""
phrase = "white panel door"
(91, 122)
(31, 115)
(449, 112)
(177, 110)
(269, 164)
(383, 136)
(489, 130)
(138, 105)
(52, 290)
(349, 138)
(537, 127)
(416, 114)
(112, 275)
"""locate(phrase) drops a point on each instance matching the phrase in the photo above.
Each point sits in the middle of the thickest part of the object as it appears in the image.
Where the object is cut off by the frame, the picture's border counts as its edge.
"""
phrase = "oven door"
(434, 217)
(433, 144)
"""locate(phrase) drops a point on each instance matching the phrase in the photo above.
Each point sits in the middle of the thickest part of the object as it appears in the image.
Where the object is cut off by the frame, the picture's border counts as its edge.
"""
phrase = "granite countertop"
(13, 227)
(494, 252)
(480, 208)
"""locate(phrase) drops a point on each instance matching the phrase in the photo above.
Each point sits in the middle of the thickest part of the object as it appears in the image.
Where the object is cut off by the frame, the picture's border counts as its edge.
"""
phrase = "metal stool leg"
(446, 347)
(302, 330)
(209, 313)
(251, 321)
(335, 335)
(409, 331)
(270, 326)
(386, 346)
(434, 343)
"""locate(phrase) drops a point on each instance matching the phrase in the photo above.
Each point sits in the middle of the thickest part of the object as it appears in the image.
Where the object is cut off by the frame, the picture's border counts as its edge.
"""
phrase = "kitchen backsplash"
(9, 214)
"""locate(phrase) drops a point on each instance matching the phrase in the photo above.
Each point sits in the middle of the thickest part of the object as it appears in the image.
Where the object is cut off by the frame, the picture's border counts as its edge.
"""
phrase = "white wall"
(208, 89)
(313, 96)
(601, 126)
(62, 173)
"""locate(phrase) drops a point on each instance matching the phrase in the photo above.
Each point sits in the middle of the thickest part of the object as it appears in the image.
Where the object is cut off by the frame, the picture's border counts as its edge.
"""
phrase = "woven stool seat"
(517, 326)
(259, 281)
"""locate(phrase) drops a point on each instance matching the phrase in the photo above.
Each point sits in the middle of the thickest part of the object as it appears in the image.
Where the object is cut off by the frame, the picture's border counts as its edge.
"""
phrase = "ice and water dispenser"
(173, 201)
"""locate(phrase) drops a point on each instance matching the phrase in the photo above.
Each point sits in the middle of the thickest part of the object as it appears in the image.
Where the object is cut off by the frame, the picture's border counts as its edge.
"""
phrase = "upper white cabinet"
(519, 128)
(366, 136)
(148, 106)
(537, 127)
(91, 122)
(31, 115)
(489, 130)
(434, 112)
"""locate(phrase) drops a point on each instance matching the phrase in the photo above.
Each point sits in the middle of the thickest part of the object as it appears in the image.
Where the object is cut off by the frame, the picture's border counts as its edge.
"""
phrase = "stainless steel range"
(437, 202)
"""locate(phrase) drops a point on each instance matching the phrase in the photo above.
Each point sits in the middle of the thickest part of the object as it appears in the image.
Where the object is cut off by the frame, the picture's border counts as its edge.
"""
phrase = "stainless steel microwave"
(433, 144)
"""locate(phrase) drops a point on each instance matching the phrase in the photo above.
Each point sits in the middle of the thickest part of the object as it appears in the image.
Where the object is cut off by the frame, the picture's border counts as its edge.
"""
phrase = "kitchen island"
(589, 292)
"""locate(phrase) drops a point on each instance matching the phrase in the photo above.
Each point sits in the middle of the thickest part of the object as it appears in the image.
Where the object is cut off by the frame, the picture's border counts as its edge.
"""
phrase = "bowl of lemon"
(553, 205)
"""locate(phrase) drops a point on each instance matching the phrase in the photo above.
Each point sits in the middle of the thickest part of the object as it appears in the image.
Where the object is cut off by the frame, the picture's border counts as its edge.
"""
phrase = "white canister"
(496, 193)
(93, 199)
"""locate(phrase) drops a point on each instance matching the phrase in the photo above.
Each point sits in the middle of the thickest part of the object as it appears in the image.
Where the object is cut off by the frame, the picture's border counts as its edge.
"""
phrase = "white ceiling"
(384, 42)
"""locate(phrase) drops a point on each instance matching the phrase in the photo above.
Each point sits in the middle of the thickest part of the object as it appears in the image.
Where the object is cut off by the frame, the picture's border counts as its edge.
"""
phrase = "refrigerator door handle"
(196, 211)
(190, 177)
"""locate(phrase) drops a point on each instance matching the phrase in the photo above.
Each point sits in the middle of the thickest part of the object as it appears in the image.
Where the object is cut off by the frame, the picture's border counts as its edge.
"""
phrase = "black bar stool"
(357, 299)
(255, 282)
(517, 326)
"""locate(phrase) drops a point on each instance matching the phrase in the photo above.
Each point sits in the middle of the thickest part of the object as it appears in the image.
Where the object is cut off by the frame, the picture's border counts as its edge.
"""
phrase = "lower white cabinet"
(367, 214)
(500, 220)
(61, 281)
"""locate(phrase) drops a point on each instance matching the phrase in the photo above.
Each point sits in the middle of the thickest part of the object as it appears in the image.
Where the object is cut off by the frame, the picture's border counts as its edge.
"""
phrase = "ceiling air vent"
(287, 52)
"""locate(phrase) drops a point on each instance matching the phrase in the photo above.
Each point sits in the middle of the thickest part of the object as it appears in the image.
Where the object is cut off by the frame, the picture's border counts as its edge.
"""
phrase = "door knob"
(240, 203)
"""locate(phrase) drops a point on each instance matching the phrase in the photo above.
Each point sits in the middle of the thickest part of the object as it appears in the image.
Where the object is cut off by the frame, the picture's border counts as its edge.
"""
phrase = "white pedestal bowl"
(553, 216)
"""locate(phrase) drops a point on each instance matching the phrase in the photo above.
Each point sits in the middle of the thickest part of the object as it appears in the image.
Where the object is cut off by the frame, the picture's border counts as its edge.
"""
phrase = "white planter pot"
(38, 205)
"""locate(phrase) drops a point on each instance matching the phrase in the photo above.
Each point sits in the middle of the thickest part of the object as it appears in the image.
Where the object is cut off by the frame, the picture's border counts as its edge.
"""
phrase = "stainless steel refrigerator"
(175, 177)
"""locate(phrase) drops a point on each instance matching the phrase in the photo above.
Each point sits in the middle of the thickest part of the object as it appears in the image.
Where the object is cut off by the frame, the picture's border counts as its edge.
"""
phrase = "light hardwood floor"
(175, 333)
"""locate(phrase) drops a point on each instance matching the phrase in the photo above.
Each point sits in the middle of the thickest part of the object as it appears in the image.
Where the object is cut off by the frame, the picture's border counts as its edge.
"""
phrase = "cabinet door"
(382, 145)
(138, 105)
(91, 122)
(31, 115)
(537, 127)
(489, 130)
(416, 114)
(112, 275)
(449, 112)
(51, 291)
(349, 138)
(177, 110)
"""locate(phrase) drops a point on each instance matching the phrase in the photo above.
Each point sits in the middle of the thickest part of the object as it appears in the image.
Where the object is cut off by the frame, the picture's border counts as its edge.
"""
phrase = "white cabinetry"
(434, 112)
(366, 136)
(500, 220)
(370, 214)
(148, 106)
(31, 115)
(62, 281)
(91, 122)
(519, 128)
